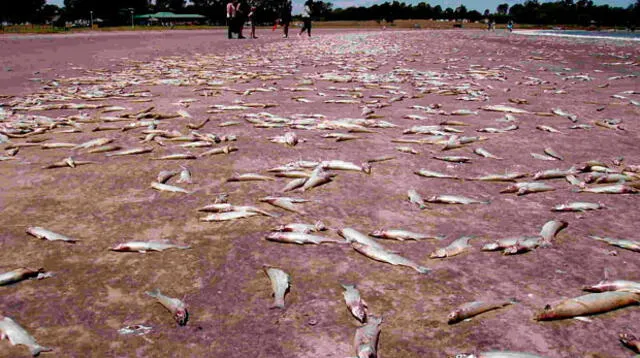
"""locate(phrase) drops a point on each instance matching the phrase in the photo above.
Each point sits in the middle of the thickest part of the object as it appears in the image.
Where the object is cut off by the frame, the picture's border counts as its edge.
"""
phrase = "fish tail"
(422, 269)
(347, 286)
(37, 349)
(186, 247)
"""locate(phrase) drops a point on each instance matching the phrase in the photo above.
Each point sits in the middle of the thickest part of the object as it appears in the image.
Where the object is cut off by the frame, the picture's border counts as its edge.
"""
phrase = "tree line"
(115, 12)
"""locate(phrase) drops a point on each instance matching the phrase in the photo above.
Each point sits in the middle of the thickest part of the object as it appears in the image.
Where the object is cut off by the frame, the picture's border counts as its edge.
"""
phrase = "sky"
(479, 5)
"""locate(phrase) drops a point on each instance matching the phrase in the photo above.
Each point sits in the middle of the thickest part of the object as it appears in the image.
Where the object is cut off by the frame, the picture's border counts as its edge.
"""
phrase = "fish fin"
(37, 349)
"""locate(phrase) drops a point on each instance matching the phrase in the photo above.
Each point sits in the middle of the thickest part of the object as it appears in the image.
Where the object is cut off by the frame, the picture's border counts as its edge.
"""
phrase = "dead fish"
(501, 108)
(300, 238)
(506, 242)
(285, 203)
(610, 189)
(485, 153)
(554, 173)
(589, 304)
(94, 143)
(56, 145)
(578, 206)
(20, 274)
(475, 308)
(500, 354)
(454, 199)
(581, 126)
(508, 177)
(342, 165)
(303, 228)
(104, 148)
(45, 234)
(354, 236)
(542, 157)
(141, 246)
(550, 229)
(383, 255)
(176, 156)
(463, 112)
(571, 179)
(357, 306)
(223, 207)
(280, 283)
(546, 128)
(199, 125)
(294, 184)
(431, 174)
(185, 176)
(552, 153)
(228, 215)
(415, 198)
(136, 329)
(19, 336)
(130, 151)
(402, 235)
(366, 339)
(199, 144)
(177, 308)
(249, 177)
(561, 113)
(457, 247)
(165, 175)
(609, 125)
(623, 243)
(524, 188)
(222, 150)
(169, 188)
(340, 137)
(318, 177)
(294, 174)
(454, 159)
(67, 162)
(630, 341)
(616, 285)
(408, 150)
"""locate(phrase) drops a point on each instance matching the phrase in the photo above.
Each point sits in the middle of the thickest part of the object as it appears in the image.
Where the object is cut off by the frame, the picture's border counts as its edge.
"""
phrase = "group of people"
(237, 16)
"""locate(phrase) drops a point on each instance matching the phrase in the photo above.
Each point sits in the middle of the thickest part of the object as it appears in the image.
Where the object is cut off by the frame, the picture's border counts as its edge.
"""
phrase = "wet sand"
(94, 292)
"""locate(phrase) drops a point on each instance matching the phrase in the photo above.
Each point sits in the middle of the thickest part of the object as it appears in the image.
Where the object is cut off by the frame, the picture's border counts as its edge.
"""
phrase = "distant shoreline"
(585, 35)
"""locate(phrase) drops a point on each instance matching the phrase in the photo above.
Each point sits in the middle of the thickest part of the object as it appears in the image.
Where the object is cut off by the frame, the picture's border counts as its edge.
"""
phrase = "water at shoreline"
(607, 35)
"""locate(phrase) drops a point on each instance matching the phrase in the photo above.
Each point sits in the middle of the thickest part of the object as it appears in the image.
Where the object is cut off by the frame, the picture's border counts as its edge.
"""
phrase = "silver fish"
(485, 153)
(546, 128)
(453, 159)
(185, 176)
(431, 174)
(354, 236)
(141, 246)
(475, 308)
(554, 173)
(19, 336)
(169, 188)
(165, 175)
(524, 188)
(542, 157)
(342, 165)
(177, 308)
(280, 283)
(454, 199)
(457, 247)
(402, 235)
(524, 245)
(578, 206)
(502, 108)
(131, 151)
(20, 274)
(357, 306)
(366, 338)
(176, 156)
(300, 238)
(249, 177)
(508, 177)
(294, 184)
(382, 255)
(228, 215)
(285, 203)
(222, 150)
(610, 189)
(303, 228)
(615, 285)
(45, 234)
(552, 153)
(317, 178)
(505, 243)
(623, 243)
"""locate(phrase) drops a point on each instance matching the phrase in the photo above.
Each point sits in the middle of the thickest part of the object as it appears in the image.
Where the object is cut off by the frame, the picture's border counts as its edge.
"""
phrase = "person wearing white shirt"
(306, 18)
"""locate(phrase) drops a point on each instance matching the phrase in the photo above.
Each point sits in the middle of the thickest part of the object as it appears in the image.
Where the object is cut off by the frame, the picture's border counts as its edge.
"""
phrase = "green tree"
(502, 9)
(20, 11)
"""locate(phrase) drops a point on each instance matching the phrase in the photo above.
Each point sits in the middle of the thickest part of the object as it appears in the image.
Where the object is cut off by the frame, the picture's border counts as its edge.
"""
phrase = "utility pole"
(91, 14)
(131, 10)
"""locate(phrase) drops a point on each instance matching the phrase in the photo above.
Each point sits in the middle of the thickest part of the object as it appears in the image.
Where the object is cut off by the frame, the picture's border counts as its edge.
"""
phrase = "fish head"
(377, 233)
(439, 253)
(120, 247)
(490, 247)
(320, 226)
(181, 316)
(454, 317)
(366, 167)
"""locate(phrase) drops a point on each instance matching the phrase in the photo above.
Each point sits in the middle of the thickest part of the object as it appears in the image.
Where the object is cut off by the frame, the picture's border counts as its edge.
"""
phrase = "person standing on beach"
(231, 18)
(306, 18)
(510, 25)
(285, 18)
(241, 17)
(252, 21)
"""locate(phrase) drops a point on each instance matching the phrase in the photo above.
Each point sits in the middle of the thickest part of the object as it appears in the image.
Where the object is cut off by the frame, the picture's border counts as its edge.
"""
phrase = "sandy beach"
(373, 85)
